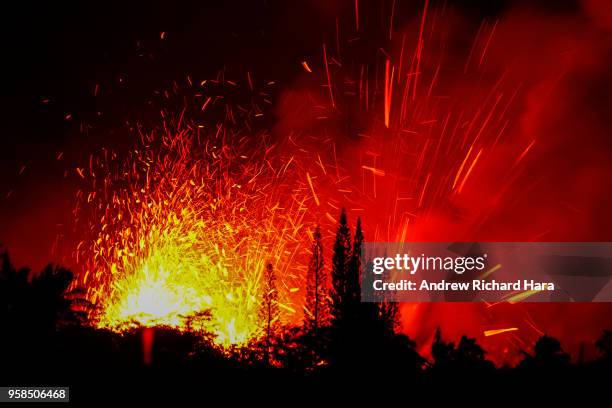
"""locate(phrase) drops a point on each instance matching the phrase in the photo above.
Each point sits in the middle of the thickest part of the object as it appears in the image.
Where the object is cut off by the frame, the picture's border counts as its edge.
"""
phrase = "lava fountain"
(185, 225)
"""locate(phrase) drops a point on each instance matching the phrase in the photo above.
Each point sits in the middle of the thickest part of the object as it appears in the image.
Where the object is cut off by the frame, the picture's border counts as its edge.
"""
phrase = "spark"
(424, 189)
(462, 166)
(486, 47)
(469, 171)
(419, 52)
(374, 170)
(314, 194)
(329, 81)
(388, 90)
(522, 155)
(306, 67)
(494, 332)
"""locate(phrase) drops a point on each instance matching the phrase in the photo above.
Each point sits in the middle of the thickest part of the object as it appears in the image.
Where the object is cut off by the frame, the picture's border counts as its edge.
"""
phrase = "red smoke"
(561, 189)
(545, 178)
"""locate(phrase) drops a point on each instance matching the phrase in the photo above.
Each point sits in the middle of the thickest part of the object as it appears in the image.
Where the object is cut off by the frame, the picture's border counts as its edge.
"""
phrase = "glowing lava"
(183, 231)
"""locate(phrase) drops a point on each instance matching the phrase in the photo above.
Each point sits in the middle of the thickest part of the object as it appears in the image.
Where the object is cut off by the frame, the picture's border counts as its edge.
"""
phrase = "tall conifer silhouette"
(270, 306)
(340, 266)
(354, 269)
(316, 307)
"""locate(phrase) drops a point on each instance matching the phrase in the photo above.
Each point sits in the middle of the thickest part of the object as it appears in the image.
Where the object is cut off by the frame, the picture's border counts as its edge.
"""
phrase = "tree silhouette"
(388, 313)
(548, 354)
(40, 302)
(354, 268)
(270, 303)
(604, 345)
(340, 266)
(345, 335)
(352, 311)
(468, 355)
(316, 308)
(401, 356)
(383, 316)
(39, 314)
(366, 329)
(441, 351)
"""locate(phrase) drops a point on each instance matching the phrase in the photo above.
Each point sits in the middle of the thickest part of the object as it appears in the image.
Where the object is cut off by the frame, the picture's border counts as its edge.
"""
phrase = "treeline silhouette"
(46, 339)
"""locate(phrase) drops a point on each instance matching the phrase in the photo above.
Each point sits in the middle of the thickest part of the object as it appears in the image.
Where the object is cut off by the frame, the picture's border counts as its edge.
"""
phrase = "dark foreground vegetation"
(45, 339)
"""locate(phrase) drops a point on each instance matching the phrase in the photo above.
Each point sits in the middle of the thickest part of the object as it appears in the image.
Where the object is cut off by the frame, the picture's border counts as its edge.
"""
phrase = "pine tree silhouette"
(340, 267)
(354, 268)
(388, 313)
(383, 315)
(441, 351)
(604, 345)
(360, 328)
(316, 308)
(467, 356)
(548, 355)
(270, 308)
